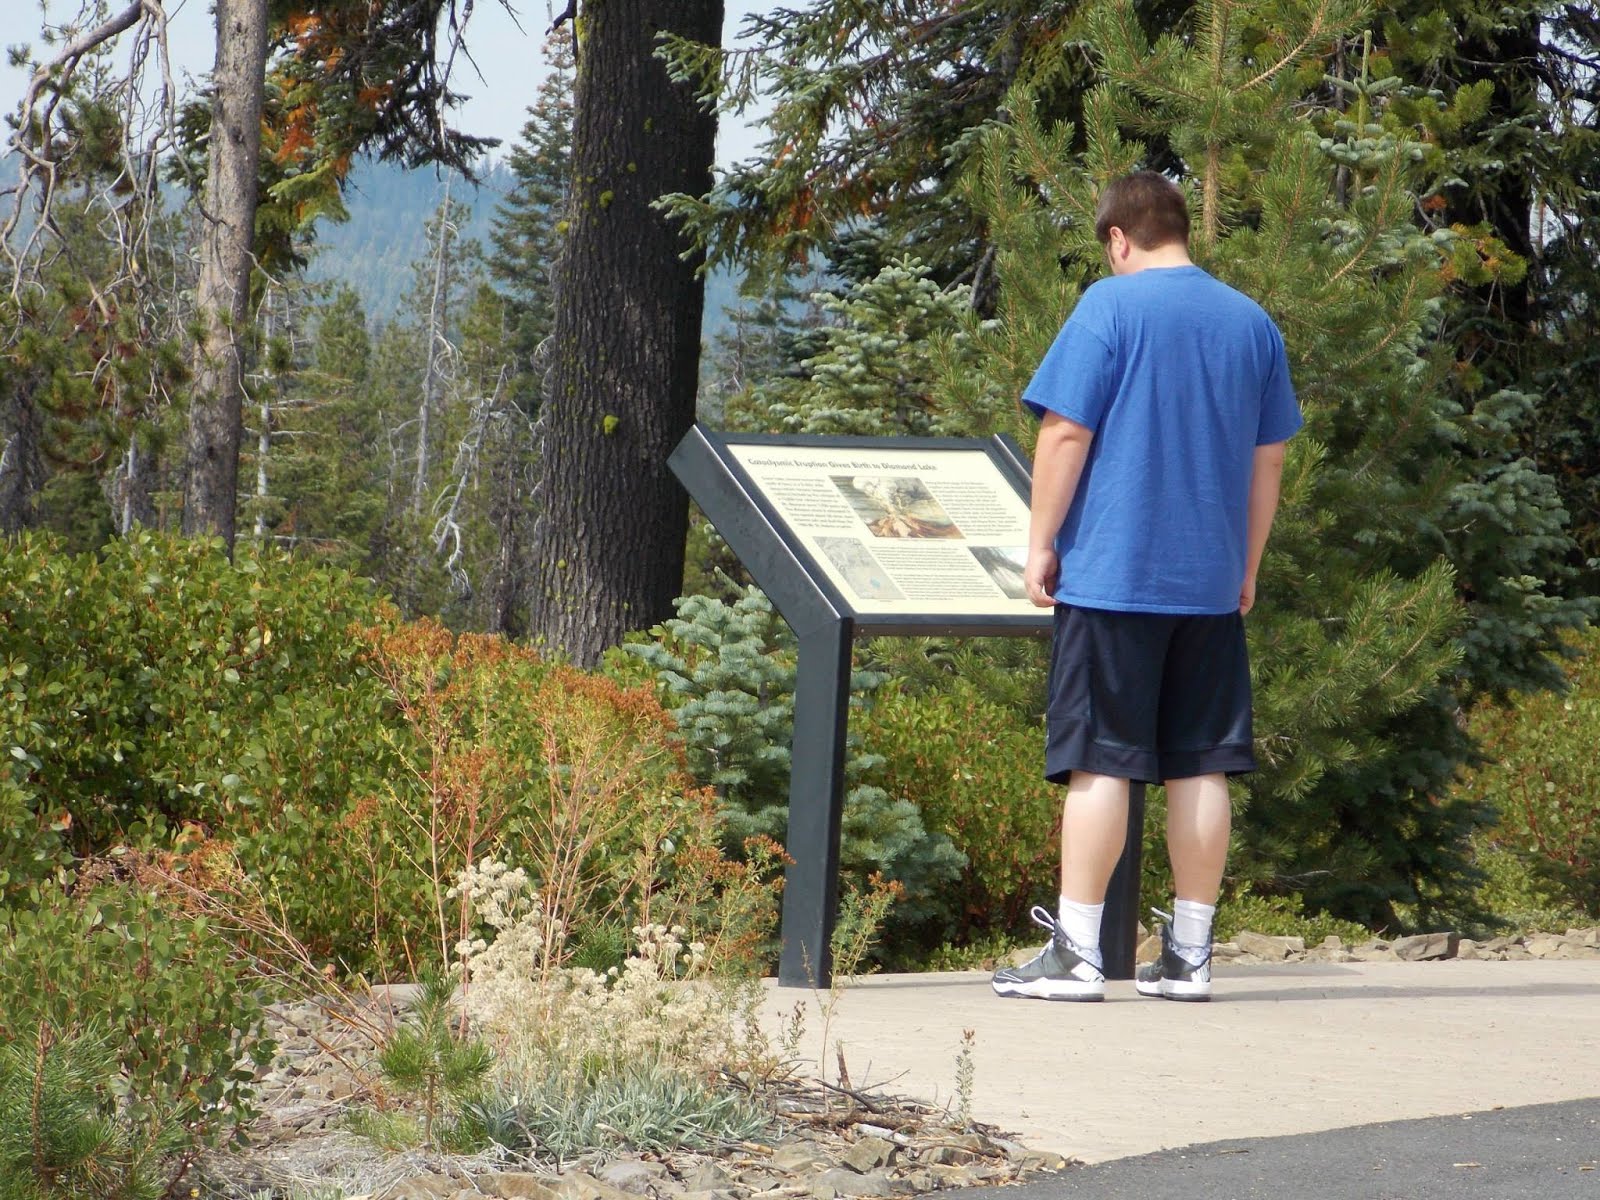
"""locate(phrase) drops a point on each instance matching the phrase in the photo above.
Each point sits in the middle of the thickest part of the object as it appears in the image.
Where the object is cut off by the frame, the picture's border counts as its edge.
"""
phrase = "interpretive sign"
(852, 536)
(933, 529)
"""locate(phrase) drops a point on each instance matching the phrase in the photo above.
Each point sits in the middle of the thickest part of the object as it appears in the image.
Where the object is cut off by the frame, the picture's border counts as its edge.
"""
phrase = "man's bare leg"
(1094, 826)
(1199, 818)
(1198, 821)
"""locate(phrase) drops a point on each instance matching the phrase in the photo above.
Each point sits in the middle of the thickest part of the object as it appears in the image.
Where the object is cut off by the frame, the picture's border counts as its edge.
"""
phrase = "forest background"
(354, 633)
(1410, 190)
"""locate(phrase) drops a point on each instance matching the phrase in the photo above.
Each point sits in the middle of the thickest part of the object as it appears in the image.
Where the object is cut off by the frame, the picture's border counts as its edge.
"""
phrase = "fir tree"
(525, 239)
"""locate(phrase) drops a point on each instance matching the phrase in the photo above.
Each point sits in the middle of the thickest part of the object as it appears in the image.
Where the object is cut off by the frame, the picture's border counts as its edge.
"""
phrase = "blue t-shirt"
(1181, 378)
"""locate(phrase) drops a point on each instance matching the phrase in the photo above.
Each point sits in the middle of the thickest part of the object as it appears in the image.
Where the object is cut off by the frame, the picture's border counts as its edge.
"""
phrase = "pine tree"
(1355, 629)
(873, 108)
(525, 240)
(1515, 158)
(337, 511)
(873, 372)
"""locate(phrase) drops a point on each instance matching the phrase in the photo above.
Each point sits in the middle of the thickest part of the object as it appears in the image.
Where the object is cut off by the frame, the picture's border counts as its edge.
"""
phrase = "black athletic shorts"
(1148, 696)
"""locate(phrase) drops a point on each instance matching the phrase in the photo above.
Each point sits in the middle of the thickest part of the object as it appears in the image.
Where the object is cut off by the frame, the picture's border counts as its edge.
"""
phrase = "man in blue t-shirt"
(1166, 402)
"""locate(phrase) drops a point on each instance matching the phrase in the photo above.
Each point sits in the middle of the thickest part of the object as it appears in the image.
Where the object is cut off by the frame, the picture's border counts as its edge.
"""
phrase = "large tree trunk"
(626, 337)
(22, 471)
(222, 294)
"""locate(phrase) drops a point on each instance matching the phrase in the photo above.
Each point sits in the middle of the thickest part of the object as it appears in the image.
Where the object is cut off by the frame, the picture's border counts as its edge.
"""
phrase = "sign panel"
(915, 531)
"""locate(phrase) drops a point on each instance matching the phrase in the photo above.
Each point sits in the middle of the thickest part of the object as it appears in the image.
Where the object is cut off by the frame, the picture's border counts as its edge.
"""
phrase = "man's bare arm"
(1266, 479)
(1058, 462)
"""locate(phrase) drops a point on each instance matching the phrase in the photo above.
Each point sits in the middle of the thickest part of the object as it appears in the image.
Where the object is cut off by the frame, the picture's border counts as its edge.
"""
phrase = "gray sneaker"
(1173, 976)
(1058, 972)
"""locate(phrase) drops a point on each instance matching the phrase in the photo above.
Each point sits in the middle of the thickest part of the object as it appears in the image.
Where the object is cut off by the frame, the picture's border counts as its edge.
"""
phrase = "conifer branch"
(1288, 59)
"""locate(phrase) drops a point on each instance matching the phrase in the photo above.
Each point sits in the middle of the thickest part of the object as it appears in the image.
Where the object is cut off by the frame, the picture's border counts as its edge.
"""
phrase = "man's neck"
(1172, 255)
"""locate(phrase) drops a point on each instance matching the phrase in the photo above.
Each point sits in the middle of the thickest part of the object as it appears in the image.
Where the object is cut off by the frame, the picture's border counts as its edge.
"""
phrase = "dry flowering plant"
(663, 1005)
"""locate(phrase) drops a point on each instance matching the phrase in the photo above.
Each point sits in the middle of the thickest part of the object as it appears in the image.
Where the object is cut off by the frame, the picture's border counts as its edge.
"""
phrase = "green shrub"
(728, 673)
(986, 793)
(1280, 916)
(1542, 776)
(158, 683)
(143, 1033)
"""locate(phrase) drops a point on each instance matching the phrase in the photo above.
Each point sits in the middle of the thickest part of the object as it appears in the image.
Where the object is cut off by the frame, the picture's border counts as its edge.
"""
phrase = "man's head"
(1139, 215)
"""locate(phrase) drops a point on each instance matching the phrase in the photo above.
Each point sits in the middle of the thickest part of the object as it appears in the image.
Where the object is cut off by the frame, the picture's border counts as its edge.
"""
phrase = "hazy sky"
(504, 46)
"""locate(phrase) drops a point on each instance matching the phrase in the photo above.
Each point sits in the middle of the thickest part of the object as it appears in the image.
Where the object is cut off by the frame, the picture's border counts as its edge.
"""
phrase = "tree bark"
(626, 337)
(222, 294)
(22, 472)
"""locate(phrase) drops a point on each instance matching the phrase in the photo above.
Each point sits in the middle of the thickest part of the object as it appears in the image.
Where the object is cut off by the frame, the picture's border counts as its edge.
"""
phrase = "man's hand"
(1040, 576)
(1247, 596)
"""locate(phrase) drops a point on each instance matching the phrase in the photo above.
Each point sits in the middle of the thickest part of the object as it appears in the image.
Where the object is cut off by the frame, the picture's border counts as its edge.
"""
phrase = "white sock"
(1082, 923)
(1191, 923)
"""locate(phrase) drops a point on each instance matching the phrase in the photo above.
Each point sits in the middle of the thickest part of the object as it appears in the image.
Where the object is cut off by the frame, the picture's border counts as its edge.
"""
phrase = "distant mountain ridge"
(389, 210)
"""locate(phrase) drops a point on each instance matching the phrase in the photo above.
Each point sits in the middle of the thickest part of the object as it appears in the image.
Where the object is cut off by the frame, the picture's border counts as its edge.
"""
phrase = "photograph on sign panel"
(1005, 565)
(861, 571)
(896, 506)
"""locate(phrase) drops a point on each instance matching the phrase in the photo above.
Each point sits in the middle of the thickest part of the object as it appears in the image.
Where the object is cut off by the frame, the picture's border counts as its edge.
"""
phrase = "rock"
(1496, 945)
(708, 1177)
(947, 1156)
(1376, 950)
(953, 1177)
(1423, 947)
(870, 1152)
(423, 1187)
(798, 1157)
(1516, 954)
(1543, 946)
(709, 1194)
(633, 1175)
(396, 997)
(578, 1185)
(1333, 942)
(1269, 949)
(841, 1181)
(1041, 1160)
(1149, 950)
(1226, 950)
(518, 1185)
(1467, 951)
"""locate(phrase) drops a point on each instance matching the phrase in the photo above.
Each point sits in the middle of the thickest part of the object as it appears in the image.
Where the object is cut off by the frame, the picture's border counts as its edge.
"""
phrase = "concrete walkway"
(1280, 1049)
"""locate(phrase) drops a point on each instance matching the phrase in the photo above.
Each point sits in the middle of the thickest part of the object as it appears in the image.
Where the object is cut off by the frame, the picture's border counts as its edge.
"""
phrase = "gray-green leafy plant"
(648, 1107)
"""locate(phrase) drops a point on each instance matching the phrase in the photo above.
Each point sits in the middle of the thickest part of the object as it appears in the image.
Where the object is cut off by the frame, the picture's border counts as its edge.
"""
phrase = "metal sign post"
(854, 537)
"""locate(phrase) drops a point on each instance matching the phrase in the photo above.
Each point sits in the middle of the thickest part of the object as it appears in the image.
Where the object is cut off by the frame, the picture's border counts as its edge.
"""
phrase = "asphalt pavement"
(1540, 1152)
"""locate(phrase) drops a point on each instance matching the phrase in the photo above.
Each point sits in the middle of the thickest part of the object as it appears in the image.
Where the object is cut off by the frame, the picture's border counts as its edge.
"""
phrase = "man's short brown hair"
(1147, 206)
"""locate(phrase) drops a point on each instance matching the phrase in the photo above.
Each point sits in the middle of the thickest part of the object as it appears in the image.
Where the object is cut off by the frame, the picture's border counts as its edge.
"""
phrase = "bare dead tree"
(487, 410)
(45, 142)
(222, 296)
(116, 60)
(438, 352)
